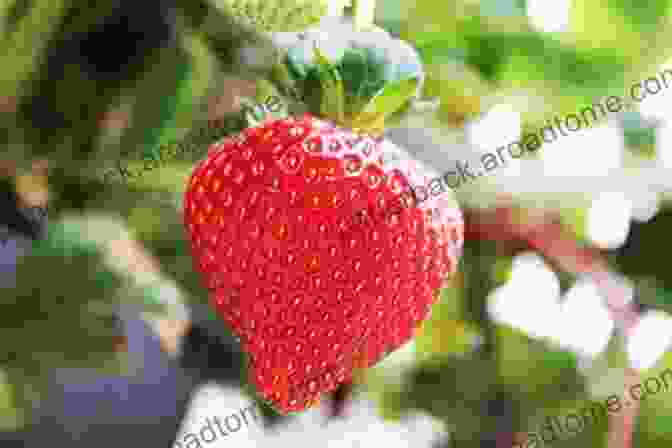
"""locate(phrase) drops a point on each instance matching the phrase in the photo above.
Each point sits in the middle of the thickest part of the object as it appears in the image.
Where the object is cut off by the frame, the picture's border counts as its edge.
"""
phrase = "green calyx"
(366, 82)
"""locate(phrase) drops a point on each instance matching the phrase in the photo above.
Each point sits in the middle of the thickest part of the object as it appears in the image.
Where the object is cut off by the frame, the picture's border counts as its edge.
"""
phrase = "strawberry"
(316, 252)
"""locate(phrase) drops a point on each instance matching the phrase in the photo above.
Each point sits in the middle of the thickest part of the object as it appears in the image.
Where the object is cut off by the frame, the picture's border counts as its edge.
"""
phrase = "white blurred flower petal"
(609, 219)
(587, 325)
(646, 204)
(525, 310)
(212, 400)
(548, 16)
(597, 151)
(649, 340)
(532, 272)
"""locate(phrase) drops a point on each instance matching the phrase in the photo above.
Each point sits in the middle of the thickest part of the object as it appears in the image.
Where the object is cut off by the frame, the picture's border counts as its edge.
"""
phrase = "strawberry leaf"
(388, 100)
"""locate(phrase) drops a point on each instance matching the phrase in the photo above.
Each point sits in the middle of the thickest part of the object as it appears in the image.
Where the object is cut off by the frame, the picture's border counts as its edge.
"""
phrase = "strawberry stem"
(333, 95)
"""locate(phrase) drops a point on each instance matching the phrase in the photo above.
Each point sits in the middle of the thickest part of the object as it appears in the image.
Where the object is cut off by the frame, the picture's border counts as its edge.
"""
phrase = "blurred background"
(562, 296)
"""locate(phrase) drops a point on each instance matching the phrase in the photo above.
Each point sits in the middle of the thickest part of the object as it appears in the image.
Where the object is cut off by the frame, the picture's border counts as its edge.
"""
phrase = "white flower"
(531, 303)
(608, 221)
(650, 339)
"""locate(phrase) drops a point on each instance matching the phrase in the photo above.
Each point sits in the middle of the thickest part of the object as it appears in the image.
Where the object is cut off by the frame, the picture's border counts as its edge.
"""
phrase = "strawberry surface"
(312, 290)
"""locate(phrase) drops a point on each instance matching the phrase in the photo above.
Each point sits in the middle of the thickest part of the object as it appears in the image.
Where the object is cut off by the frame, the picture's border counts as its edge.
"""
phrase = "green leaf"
(355, 72)
(390, 99)
(438, 51)
(167, 109)
(333, 93)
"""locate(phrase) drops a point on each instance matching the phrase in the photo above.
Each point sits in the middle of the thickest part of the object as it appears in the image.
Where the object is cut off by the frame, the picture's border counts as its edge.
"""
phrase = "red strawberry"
(311, 290)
